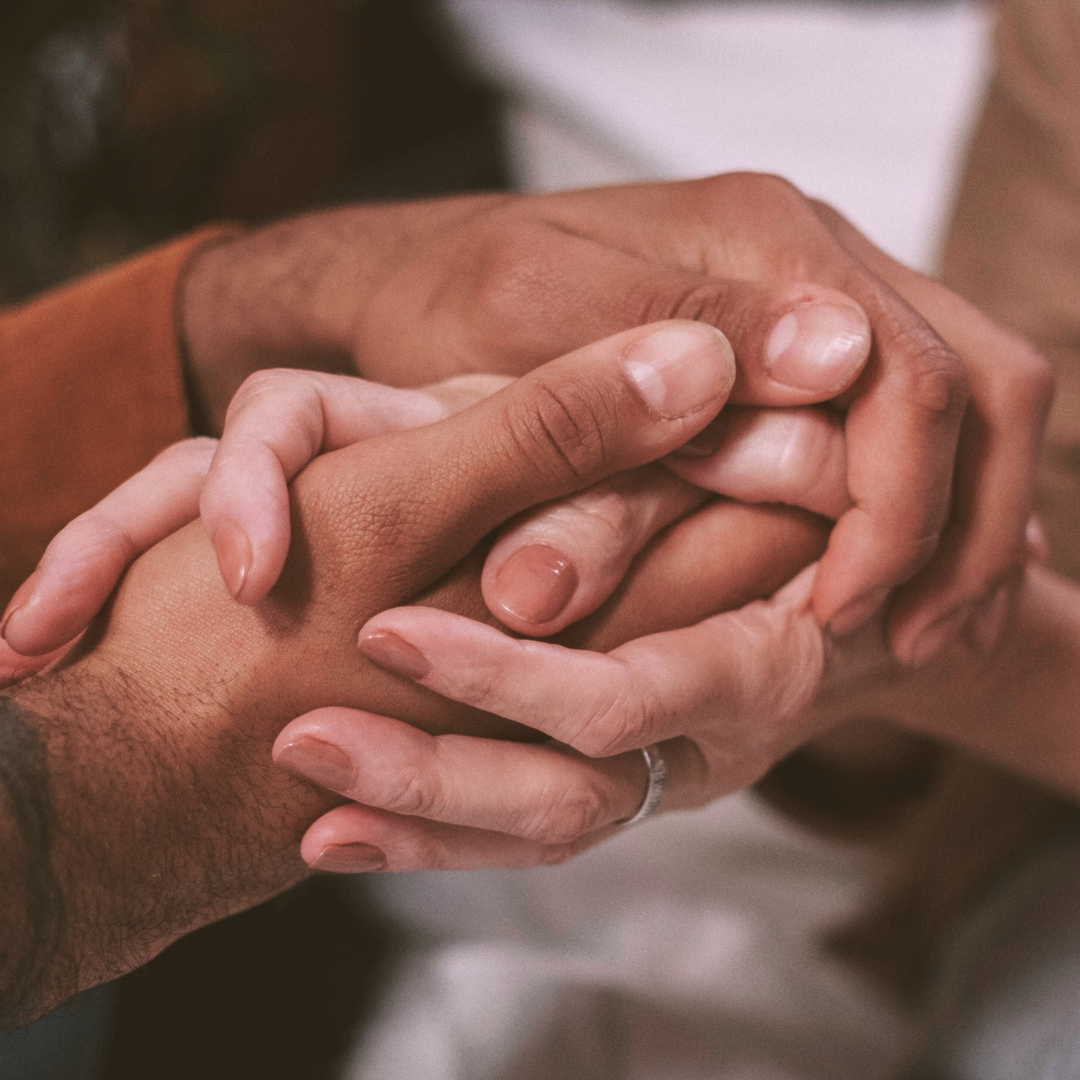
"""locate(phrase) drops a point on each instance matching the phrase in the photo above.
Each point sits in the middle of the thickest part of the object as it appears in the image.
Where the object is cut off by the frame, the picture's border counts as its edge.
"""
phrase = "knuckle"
(1027, 383)
(782, 681)
(517, 272)
(420, 796)
(561, 427)
(936, 381)
(759, 185)
(269, 384)
(630, 720)
(566, 815)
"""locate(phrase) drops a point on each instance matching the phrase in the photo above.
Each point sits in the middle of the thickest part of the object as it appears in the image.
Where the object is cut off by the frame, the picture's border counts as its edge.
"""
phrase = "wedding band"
(657, 767)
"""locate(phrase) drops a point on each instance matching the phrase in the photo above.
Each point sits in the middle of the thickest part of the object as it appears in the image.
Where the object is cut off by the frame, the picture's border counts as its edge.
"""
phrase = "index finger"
(736, 678)
(278, 421)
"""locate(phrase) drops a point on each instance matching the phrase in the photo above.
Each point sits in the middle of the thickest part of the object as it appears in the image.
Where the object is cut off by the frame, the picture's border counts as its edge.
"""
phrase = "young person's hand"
(141, 800)
(421, 291)
(550, 568)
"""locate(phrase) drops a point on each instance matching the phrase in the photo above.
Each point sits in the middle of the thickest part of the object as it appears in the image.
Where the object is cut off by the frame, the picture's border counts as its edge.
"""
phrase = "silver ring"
(654, 793)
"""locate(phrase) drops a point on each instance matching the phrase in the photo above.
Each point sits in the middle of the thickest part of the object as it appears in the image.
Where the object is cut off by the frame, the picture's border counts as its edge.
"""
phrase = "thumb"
(432, 493)
(605, 408)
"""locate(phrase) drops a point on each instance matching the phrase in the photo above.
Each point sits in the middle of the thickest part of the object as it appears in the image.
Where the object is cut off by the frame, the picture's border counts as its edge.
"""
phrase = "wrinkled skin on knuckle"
(563, 427)
(785, 660)
(621, 723)
(419, 796)
(565, 815)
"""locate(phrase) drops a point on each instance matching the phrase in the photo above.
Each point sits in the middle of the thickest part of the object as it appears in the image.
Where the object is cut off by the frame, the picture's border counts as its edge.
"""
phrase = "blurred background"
(123, 123)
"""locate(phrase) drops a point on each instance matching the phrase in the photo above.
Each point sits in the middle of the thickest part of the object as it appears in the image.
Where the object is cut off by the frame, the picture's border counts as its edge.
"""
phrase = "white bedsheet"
(685, 949)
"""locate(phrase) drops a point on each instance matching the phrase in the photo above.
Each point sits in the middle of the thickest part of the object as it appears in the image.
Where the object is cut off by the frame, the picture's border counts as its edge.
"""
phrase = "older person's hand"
(145, 801)
(549, 568)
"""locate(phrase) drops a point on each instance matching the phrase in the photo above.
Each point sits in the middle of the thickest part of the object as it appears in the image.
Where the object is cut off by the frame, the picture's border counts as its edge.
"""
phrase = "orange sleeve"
(91, 388)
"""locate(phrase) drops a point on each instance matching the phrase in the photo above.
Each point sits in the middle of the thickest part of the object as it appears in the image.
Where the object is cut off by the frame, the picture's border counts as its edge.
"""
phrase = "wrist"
(294, 294)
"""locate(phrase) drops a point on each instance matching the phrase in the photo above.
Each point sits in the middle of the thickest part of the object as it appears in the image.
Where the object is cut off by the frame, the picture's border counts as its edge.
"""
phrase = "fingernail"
(321, 762)
(853, 615)
(818, 347)
(393, 653)
(536, 583)
(939, 634)
(233, 555)
(349, 859)
(19, 601)
(681, 367)
(984, 629)
(706, 442)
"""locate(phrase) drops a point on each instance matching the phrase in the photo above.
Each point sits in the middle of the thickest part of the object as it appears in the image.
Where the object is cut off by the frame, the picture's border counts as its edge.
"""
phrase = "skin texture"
(168, 810)
(472, 285)
(412, 293)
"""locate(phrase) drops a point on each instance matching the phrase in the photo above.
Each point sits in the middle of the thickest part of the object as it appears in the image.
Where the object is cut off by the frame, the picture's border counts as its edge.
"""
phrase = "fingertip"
(317, 760)
(532, 588)
(350, 858)
(392, 652)
(17, 611)
(818, 347)
(680, 367)
(234, 557)
(340, 828)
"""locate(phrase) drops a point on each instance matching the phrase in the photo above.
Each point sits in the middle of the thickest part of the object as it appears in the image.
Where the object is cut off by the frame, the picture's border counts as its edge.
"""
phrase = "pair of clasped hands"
(872, 439)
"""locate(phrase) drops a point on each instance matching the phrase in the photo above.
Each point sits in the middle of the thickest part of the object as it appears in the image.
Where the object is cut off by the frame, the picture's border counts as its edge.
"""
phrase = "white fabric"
(863, 105)
(687, 949)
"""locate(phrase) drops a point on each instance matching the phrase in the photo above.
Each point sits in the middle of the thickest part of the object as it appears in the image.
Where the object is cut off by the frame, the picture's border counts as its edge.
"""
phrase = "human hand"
(471, 803)
(155, 733)
(735, 689)
(493, 283)
(280, 419)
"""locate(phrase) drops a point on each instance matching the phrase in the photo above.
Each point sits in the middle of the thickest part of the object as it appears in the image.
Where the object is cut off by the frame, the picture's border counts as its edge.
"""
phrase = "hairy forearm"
(120, 832)
(167, 811)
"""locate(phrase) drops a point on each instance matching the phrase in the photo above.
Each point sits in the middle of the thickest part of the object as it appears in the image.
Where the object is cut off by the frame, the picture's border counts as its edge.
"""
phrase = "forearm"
(118, 834)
